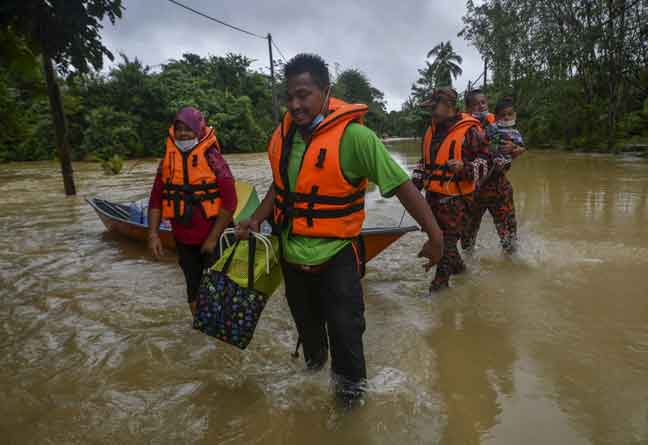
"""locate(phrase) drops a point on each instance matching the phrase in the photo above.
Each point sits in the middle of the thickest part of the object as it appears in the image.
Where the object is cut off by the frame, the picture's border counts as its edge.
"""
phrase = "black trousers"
(328, 309)
(192, 262)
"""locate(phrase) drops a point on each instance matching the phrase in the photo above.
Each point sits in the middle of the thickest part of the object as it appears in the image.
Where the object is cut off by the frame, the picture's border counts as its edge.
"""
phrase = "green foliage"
(113, 165)
(577, 72)
(11, 128)
(67, 31)
(233, 98)
(446, 64)
(412, 120)
(128, 111)
(353, 86)
(16, 55)
(633, 124)
(237, 125)
(110, 133)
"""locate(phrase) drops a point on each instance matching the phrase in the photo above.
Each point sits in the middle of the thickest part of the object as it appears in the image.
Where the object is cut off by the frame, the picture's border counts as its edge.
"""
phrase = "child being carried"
(503, 129)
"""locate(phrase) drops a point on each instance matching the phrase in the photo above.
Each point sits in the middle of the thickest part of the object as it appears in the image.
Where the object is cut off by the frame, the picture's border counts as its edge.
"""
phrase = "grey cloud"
(387, 40)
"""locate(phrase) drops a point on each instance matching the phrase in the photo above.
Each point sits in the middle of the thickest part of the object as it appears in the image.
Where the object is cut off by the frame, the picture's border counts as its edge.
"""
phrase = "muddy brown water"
(550, 347)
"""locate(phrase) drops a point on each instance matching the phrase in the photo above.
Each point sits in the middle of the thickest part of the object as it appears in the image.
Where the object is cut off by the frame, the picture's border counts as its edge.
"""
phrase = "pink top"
(197, 230)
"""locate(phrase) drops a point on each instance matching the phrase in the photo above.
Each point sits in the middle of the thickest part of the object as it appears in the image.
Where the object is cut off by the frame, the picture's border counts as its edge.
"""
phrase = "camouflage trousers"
(452, 214)
(496, 197)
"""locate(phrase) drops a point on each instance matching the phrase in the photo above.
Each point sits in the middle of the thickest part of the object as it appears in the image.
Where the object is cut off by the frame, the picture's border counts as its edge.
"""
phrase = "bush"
(238, 130)
(111, 133)
(632, 124)
(112, 166)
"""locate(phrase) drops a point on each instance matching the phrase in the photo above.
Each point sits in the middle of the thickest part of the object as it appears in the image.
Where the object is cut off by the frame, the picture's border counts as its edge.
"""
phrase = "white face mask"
(187, 144)
(481, 115)
(506, 124)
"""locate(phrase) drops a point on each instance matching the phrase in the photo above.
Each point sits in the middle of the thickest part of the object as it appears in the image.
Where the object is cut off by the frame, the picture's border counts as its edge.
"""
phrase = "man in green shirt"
(322, 159)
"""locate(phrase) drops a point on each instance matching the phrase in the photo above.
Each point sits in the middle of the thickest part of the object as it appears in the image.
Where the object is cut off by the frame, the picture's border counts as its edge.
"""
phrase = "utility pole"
(275, 107)
(485, 72)
(60, 125)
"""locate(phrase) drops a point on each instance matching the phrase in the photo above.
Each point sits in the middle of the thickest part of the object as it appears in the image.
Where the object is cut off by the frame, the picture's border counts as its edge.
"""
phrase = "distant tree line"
(578, 69)
(127, 111)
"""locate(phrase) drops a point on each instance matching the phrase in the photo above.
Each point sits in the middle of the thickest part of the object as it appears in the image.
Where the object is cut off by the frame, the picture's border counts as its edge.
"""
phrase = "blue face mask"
(315, 122)
(320, 117)
(187, 144)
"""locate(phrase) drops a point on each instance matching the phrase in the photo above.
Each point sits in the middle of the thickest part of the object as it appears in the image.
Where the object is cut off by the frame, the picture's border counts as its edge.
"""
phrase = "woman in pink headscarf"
(194, 188)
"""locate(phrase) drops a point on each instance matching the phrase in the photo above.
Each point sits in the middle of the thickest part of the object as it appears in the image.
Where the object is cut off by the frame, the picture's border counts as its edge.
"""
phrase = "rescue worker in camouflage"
(454, 159)
(495, 192)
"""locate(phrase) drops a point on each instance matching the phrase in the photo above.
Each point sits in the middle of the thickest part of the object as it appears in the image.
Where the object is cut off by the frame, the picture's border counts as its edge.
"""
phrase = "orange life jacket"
(323, 203)
(438, 177)
(189, 180)
(489, 119)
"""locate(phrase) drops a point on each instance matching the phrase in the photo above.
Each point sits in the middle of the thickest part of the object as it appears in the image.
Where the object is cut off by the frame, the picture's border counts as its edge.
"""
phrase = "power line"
(236, 28)
(279, 51)
(271, 44)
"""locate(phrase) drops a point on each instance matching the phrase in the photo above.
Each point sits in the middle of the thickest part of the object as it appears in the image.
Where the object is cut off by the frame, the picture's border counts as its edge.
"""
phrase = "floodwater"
(550, 347)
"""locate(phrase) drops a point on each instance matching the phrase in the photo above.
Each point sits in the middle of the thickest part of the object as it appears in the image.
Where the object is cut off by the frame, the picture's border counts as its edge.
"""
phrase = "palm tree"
(446, 65)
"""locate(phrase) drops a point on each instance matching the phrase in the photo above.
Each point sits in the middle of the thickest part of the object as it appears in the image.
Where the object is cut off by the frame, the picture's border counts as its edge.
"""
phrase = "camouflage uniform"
(453, 212)
(496, 196)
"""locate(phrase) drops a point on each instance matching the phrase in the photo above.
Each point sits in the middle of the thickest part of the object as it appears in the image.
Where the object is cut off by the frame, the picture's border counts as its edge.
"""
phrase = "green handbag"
(267, 269)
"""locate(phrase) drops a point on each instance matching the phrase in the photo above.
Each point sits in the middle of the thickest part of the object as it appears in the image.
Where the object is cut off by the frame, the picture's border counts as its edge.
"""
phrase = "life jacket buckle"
(321, 158)
(311, 201)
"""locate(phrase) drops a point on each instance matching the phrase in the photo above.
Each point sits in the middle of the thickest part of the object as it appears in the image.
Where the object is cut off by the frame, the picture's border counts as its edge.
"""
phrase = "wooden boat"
(116, 218)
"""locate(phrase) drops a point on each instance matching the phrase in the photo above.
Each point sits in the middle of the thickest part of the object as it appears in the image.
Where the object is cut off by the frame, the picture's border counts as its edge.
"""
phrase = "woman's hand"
(244, 228)
(155, 244)
(208, 247)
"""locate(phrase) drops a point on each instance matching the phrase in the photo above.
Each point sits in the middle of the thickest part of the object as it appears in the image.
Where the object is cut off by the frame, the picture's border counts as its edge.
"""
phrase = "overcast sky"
(386, 39)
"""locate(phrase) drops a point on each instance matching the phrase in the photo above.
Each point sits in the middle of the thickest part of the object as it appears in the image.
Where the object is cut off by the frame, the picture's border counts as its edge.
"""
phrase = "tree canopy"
(67, 31)
(65, 34)
(578, 71)
(446, 65)
(127, 111)
(353, 86)
(578, 68)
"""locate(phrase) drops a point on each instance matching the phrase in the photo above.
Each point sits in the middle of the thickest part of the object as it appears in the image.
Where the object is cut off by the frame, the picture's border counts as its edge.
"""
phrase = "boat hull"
(115, 218)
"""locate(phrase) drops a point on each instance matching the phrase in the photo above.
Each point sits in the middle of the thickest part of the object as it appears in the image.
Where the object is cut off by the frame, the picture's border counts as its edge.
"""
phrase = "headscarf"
(193, 119)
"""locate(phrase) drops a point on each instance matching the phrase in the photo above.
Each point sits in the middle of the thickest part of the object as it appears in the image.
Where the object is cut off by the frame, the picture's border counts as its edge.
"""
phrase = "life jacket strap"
(189, 200)
(311, 214)
(315, 198)
(440, 178)
(190, 188)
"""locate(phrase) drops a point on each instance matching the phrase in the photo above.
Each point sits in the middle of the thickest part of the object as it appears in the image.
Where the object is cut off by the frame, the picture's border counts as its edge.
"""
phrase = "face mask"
(320, 117)
(506, 124)
(186, 145)
(315, 122)
(480, 115)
